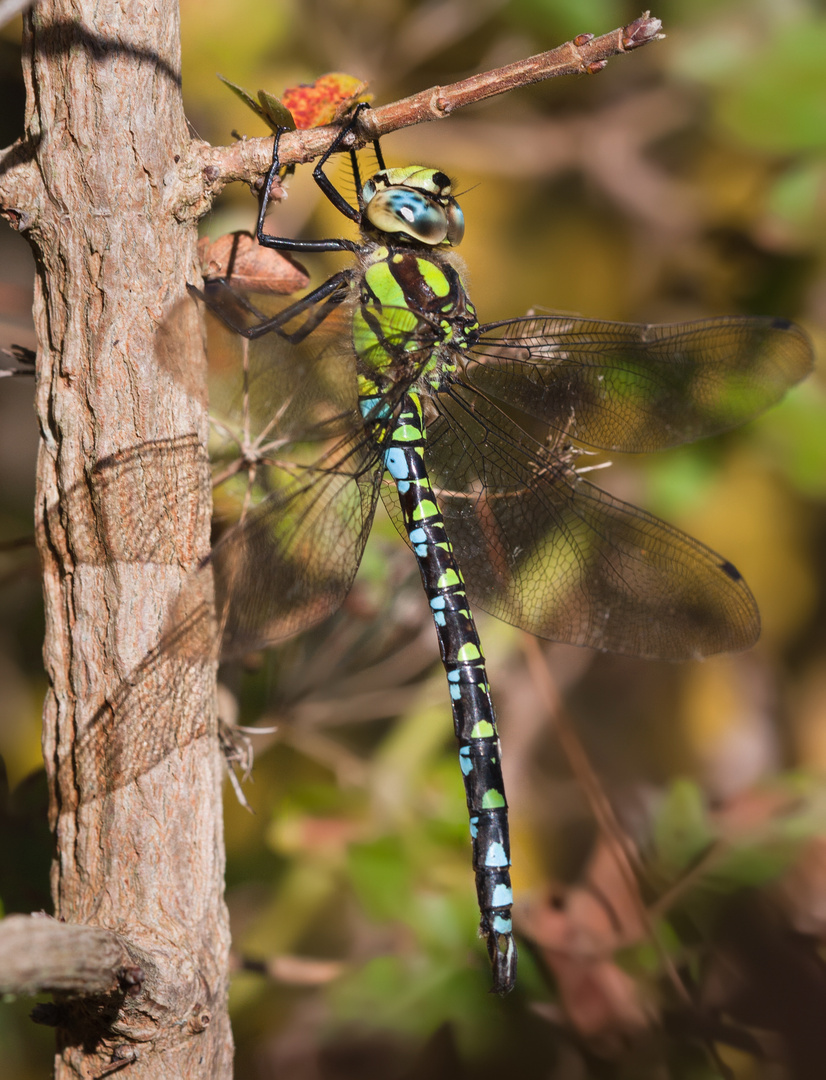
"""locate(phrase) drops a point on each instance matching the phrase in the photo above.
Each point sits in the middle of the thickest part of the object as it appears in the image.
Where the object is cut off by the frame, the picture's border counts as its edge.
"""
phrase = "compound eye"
(455, 223)
(405, 210)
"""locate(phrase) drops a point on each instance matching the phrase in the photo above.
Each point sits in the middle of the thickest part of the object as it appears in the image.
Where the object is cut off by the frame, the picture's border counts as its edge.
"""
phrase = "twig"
(21, 354)
(584, 55)
(294, 970)
(16, 543)
(38, 954)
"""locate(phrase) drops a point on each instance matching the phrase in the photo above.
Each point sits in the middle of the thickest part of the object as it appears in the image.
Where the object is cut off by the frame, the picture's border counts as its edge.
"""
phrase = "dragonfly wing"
(545, 550)
(296, 471)
(292, 559)
(635, 388)
(271, 391)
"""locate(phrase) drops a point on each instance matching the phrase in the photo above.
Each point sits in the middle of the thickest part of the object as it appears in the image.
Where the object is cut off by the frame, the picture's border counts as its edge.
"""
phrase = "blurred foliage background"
(687, 179)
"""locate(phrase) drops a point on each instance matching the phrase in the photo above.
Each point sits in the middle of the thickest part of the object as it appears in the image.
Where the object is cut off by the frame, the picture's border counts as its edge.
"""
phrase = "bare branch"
(248, 159)
(295, 970)
(39, 955)
(585, 55)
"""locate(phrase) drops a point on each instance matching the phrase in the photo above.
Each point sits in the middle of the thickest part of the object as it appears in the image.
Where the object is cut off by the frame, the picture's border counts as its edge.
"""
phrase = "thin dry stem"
(584, 55)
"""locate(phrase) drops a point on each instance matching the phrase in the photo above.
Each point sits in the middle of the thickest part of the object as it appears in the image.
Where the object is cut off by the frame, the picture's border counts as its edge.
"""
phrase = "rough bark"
(122, 518)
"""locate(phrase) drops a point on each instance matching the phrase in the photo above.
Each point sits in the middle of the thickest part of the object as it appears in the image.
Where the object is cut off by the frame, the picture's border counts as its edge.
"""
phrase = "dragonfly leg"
(231, 308)
(324, 182)
(287, 243)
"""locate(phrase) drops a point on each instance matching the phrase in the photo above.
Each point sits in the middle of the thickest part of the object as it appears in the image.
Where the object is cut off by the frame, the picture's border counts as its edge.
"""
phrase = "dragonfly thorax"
(413, 315)
(413, 204)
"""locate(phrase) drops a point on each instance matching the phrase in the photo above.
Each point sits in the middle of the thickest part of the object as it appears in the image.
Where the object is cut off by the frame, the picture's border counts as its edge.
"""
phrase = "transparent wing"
(297, 476)
(268, 395)
(305, 507)
(292, 559)
(633, 388)
(545, 550)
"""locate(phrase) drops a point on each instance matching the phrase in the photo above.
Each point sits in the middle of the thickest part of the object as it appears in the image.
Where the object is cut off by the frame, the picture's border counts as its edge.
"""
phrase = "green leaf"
(779, 101)
(681, 832)
(272, 112)
(242, 94)
(381, 875)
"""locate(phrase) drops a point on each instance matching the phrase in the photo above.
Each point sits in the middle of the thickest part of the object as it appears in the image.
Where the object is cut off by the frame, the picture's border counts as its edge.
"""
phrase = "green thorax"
(412, 317)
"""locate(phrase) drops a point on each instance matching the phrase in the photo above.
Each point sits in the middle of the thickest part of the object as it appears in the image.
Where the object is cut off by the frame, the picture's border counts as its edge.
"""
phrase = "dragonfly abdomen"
(473, 716)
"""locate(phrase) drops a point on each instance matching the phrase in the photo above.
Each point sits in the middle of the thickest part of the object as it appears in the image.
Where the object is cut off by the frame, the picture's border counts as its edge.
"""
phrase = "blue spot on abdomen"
(396, 463)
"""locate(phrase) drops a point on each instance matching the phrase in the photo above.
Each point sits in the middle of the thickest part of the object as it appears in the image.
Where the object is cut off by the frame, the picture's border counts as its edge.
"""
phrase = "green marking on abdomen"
(468, 651)
(448, 579)
(492, 800)
(424, 510)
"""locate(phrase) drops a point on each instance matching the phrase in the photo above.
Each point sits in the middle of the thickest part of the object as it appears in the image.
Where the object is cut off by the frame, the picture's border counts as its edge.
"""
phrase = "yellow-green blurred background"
(687, 179)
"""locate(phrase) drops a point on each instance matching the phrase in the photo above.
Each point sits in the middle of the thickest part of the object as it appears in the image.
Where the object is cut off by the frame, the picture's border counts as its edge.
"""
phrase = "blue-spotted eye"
(419, 215)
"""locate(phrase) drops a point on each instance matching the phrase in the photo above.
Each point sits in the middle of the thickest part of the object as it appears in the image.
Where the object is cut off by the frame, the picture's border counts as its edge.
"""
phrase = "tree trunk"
(122, 517)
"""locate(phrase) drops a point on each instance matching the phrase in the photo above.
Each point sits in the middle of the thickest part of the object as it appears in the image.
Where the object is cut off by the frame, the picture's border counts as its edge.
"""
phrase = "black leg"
(324, 182)
(354, 156)
(231, 307)
(286, 243)
(379, 154)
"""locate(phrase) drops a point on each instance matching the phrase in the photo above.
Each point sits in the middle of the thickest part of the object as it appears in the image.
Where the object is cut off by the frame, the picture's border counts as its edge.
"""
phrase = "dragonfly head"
(414, 204)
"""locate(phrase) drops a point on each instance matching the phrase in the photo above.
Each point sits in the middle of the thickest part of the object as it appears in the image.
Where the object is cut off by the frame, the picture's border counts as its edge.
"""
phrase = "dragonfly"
(471, 433)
